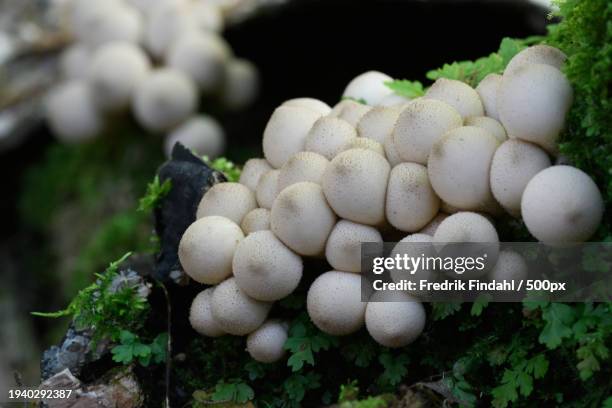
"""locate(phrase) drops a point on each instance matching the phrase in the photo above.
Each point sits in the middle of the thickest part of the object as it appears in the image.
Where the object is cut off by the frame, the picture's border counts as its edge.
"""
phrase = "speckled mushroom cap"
(343, 248)
(208, 260)
(562, 204)
(200, 316)
(391, 153)
(328, 136)
(234, 311)
(202, 134)
(309, 103)
(334, 303)
(348, 176)
(432, 226)
(394, 319)
(514, 164)
(302, 218)
(532, 103)
(365, 143)
(230, 200)
(369, 86)
(487, 90)
(256, 220)
(350, 111)
(393, 100)
(264, 268)
(536, 54)
(302, 166)
(285, 133)
(457, 94)
(494, 127)
(252, 171)
(267, 189)
(378, 123)
(458, 168)
(266, 344)
(411, 201)
(421, 124)
(509, 266)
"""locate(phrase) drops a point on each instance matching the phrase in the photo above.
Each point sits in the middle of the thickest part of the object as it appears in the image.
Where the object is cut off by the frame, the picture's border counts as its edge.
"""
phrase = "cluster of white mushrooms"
(439, 168)
(155, 58)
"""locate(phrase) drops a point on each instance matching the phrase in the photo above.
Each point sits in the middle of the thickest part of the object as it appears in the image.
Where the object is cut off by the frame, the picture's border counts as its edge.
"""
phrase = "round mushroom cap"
(207, 248)
(328, 136)
(562, 204)
(264, 268)
(459, 166)
(536, 54)
(267, 343)
(350, 111)
(309, 103)
(72, 115)
(202, 56)
(302, 219)
(394, 100)
(116, 69)
(489, 124)
(355, 185)
(230, 200)
(420, 125)
(343, 248)
(267, 189)
(457, 94)
(378, 123)
(252, 171)
(487, 90)
(365, 143)
(107, 21)
(74, 62)
(411, 201)
(256, 220)
(234, 311)
(285, 133)
(391, 153)
(432, 226)
(302, 166)
(414, 246)
(532, 103)
(166, 21)
(369, 86)
(509, 266)
(334, 303)
(514, 164)
(164, 99)
(394, 319)
(240, 84)
(200, 316)
(202, 134)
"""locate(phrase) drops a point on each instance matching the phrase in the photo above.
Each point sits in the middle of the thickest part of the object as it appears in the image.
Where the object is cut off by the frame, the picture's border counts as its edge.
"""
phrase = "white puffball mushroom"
(200, 316)
(459, 166)
(393, 100)
(240, 85)
(309, 103)
(264, 268)
(562, 204)
(536, 54)
(487, 90)
(230, 200)
(202, 134)
(285, 133)
(414, 246)
(514, 164)
(116, 70)
(164, 99)
(391, 153)
(378, 123)
(74, 61)
(302, 166)
(334, 303)
(208, 260)
(201, 56)
(267, 343)
(432, 226)
(166, 21)
(457, 94)
(369, 86)
(411, 201)
(355, 185)
(256, 220)
(252, 171)
(343, 248)
(365, 143)
(71, 112)
(509, 266)
(420, 125)
(107, 22)
(490, 124)
(302, 218)
(532, 103)
(328, 136)
(267, 189)
(394, 319)
(234, 311)
(351, 111)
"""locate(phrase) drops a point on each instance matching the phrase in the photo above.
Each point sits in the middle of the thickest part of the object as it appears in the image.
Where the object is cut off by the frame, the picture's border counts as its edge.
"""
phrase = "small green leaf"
(407, 89)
